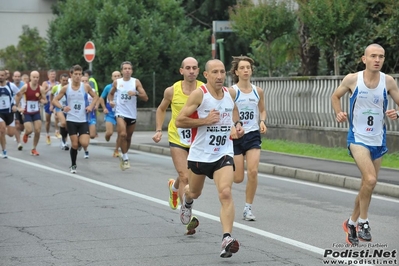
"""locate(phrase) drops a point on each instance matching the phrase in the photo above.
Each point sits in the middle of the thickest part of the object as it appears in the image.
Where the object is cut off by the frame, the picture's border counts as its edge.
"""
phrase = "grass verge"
(390, 160)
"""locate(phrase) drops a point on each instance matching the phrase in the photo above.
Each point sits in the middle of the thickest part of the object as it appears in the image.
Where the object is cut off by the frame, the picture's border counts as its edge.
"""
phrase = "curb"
(334, 180)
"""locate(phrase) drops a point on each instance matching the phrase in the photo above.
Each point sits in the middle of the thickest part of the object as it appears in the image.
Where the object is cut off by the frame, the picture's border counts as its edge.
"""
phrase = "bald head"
(372, 47)
(189, 69)
(189, 61)
(34, 74)
(34, 78)
(211, 63)
(116, 75)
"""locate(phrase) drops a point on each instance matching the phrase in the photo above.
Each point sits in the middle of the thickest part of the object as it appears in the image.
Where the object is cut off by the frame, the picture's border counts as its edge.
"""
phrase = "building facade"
(16, 13)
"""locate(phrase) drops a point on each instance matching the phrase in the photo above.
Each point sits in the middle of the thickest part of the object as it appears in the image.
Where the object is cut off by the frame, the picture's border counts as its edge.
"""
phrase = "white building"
(16, 13)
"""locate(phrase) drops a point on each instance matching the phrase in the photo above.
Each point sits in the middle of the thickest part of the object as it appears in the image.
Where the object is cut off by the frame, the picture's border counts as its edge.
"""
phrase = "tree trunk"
(336, 63)
(310, 54)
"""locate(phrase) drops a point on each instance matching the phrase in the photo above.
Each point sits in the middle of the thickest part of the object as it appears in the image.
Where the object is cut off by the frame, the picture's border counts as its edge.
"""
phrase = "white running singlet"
(368, 108)
(247, 104)
(77, 102)
(210, 143)
(126, 106)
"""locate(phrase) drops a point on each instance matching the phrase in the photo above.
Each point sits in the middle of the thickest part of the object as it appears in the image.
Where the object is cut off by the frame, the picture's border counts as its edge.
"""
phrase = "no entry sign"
(89, 51)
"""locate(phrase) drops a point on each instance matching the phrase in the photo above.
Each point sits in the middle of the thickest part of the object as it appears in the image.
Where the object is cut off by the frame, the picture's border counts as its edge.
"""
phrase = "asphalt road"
(103, 216)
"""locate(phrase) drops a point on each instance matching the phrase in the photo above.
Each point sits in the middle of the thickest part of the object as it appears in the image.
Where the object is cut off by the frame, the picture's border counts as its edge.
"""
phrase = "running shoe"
(20, 147)
(116, 154)
(58, 135)
(48, 140)
(126, 164)
(86, 155)
(5, 154)
(25, 138)
(64, 146)
(79, 147)
(363, 231)
(229, 246)
(123, 164)
(73, 169)
(351, 235)
(247, 215)
(173, 196)
(194, 223)
(107, 138)
(34, 152)
(185, 212)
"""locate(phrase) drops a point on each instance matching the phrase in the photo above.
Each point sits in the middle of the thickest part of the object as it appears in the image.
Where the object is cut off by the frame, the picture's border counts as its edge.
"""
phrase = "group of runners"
(74, 103)
(214, 131)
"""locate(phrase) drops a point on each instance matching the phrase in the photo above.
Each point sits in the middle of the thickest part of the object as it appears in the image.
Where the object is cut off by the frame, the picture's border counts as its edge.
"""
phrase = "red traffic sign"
(89, 51)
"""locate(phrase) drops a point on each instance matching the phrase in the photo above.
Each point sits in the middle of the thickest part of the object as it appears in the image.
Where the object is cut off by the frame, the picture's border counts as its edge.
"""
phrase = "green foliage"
(264, 24)
(153, 34)
(316, 151)
(29, 54)
(203, 12)
(330, 21)
(69, 31)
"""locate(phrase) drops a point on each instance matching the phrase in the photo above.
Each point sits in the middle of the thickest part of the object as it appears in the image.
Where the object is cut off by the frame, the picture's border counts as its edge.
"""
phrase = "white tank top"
(210, 143)
(368, 112)
(247, 104)
(126, 106)
(63, 100)
(77, 103)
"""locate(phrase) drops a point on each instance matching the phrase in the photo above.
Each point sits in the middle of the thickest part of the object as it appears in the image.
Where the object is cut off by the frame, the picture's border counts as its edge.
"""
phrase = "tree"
(330, 21)
(154, 35)
(263, 24)
(70, 30)
(309, 53)
(29, 54)
(203, 12)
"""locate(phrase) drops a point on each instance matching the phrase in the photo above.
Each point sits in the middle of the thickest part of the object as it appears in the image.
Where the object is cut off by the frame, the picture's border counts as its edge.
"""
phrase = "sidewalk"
(339, 174)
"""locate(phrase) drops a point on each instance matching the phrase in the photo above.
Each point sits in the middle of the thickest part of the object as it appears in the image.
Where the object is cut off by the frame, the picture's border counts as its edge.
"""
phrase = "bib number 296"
(217, 140)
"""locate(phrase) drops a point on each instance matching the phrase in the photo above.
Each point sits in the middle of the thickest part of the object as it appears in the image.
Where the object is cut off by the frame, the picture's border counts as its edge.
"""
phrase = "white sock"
(124, 156)
(363, 220)
(248, 206)
(173, 187)
(351, 222)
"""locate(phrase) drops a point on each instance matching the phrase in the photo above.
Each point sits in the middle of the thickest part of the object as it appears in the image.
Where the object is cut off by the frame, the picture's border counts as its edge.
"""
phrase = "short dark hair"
(64, 75)
(89, 72)
(75, 68)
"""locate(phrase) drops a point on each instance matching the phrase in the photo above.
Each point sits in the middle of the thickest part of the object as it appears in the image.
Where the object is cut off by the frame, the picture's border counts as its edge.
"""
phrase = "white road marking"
(295, 181)
(260, 232)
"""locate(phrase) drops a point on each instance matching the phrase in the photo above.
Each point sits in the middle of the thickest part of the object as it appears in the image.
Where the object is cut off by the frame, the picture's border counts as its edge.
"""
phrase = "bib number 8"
(370, 120)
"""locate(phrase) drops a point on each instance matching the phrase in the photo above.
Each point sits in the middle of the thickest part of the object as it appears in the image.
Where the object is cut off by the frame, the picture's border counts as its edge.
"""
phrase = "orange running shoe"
(173, 196)
(25, 138)
(34, 152)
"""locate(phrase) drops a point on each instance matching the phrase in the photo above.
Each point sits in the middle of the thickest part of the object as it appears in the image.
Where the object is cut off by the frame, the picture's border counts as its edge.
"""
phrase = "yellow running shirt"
(179, 136)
